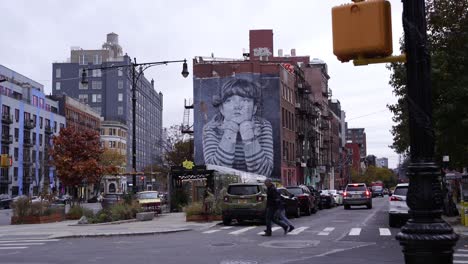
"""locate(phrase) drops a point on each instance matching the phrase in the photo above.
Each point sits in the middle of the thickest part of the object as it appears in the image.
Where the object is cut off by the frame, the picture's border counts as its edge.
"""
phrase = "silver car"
(357, 194)
(398, 209)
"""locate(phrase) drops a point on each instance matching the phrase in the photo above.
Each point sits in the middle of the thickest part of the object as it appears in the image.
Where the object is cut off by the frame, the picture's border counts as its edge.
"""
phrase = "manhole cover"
(238, 262)
(222, 244)
(290, 243)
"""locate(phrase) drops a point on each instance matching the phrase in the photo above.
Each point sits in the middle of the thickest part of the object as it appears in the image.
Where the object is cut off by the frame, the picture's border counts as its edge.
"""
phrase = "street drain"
(290, 244)
(223, 244)
(238, 262)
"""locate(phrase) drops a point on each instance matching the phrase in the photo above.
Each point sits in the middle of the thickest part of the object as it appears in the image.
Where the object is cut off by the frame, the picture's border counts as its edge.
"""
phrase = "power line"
(373, 113)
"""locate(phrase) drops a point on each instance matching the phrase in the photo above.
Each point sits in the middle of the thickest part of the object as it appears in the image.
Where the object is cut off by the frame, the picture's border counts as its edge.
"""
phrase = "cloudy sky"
(37, 33)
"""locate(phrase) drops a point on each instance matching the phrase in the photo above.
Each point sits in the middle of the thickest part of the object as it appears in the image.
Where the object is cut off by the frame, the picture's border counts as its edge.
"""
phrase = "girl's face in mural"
(238, 109)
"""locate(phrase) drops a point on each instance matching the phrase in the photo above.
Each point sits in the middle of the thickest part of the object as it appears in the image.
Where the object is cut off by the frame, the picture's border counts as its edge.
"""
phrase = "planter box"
(203, 218)
(57, 217)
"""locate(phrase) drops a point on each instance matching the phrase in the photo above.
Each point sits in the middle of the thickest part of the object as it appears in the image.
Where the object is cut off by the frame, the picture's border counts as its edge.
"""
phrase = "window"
(16, 134)
(58, 73)
(40, 139)
(15, 154)
(97, 109)
(120, 97)
(120, 84)
(17, 115)
(83, 98)
(96, 84)
(82, 59)
(97, 73)
(120, 72)
(34, 138)
(97, 59)
(57, 86)
(55, 126)
(33, 156)
(112, 144)
(97, 98)
(82, 86)
(40, 122)
(120, 110)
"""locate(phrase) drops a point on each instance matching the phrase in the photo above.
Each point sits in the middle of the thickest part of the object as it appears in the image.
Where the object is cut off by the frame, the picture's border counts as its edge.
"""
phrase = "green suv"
(244, 201)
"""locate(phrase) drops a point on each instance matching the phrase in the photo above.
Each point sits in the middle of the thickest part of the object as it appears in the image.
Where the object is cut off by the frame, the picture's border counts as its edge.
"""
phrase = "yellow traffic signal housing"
(5, 161)
(362, 30)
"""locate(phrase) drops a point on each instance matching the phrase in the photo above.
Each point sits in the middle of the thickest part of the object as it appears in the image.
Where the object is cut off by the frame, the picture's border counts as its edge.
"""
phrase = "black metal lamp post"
(426, 238)
(135, 78)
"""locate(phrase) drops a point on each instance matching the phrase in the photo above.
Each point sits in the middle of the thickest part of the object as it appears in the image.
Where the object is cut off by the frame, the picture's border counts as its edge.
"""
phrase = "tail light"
(367, 193)
(395, 198)
(345, 194)
(260, 198)
(226, 198)
(302, 197)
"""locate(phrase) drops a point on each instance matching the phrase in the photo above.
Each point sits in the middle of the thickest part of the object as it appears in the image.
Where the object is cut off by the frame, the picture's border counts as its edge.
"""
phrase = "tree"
(183, 150)
(447, 23)
(110, 161)
(76, 156)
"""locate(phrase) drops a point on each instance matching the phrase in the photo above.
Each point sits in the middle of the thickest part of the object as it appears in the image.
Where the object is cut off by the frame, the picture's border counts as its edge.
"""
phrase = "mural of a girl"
(236, 136)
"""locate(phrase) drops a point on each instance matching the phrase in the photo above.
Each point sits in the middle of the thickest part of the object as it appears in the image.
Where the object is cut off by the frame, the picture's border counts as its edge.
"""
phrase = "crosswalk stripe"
(460, 261)
(226, 227)
(272, 230)
(462, 250)
(13, 247)
(211, 231)
(385, 232)
(28, 240)
(298, 230)
(240, 231)
(326, 231)
(21, 244)
(355, 231)
(460, 255)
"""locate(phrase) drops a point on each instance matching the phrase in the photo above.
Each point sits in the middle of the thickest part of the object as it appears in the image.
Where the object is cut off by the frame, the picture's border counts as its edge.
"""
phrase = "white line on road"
(240, 231)
(385, 232)
(326, 231)
(355, 232)
(22, 244)
(226, 227)
(211, 231)
(460, 261)
(462, 250)
(298, 230)
(272, 230)
(460, 255)
(13, 247)
(28, 240)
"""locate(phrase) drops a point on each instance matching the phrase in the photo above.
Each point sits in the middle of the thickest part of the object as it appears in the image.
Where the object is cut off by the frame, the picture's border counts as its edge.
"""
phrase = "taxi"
(149, 201)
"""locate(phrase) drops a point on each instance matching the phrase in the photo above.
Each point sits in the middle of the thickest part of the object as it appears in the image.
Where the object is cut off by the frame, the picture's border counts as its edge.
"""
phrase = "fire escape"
(7, 139)
(27, 162)
(187, 127)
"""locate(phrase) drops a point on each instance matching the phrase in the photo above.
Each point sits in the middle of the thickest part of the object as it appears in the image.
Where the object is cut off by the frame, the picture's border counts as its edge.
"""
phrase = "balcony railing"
(48, 129)
(7, 139)
(29, 124)
(27, 142)
(7, 119)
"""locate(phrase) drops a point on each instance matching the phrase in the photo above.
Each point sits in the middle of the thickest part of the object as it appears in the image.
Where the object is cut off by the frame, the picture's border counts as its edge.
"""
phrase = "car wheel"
(227, 221)
(347, 206)
(308, 211)
(369, 206)
(298, 212)
(314, 210)
(392, 220)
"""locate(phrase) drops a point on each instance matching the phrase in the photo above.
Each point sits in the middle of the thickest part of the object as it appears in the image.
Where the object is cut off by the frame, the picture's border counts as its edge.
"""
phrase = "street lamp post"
(425, 238)
(135, 78)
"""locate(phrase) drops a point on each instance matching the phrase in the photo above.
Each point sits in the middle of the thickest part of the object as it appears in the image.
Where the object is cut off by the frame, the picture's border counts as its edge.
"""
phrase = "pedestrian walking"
(282, 213)
(272, 209)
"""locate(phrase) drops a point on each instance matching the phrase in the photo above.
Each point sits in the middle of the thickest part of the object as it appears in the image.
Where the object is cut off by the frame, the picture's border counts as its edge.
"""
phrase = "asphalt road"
(334, 236)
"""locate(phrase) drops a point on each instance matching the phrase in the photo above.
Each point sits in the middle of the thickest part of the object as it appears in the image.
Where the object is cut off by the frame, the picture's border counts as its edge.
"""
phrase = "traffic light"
(142, 178)
(362, 29)
(5, 161)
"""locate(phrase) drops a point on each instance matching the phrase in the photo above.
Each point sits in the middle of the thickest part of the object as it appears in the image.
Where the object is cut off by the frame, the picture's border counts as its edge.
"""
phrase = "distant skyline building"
(382, 162)
(29, 121)
(109, 92)
(358, 135)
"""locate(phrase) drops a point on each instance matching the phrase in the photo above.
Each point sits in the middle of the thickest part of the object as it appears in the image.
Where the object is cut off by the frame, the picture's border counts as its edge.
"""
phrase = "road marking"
(240, 231)
(326, 231)
(355, 232)
(21, 244)
(385, 232)
(460, 255)
(272, 230)
(28, 240)
(226, 227)
(298, 230)
(211, 231)
(462, 250)
(13, 247)
(460, 261)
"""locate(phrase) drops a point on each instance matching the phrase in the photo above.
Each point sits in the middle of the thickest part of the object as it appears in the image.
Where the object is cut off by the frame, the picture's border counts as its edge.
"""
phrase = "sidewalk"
(165, 223)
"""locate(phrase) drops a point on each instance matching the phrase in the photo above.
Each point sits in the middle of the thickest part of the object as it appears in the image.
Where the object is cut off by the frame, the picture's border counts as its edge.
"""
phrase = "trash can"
(464, 216)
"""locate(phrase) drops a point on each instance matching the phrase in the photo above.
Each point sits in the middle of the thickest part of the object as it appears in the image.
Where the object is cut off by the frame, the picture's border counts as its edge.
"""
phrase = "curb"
(108, 223)
(120, 234)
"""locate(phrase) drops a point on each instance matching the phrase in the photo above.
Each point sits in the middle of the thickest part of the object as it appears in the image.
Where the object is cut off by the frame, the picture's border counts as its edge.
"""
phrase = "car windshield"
(354, 188)
(295, 190)
(150, 195)
(243, 189)
(333, 191)
(402, 190)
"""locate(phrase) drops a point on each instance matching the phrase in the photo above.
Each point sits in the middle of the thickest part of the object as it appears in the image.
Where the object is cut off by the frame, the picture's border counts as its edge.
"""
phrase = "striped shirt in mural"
(255, 156)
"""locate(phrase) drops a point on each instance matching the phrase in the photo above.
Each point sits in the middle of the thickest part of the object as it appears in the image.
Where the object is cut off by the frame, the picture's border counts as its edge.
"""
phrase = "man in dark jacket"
(273, 203)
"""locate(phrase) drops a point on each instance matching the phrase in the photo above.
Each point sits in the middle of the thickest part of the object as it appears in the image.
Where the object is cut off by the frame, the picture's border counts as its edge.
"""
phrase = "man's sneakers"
(285, 228)
(267, 233)
(291, 228)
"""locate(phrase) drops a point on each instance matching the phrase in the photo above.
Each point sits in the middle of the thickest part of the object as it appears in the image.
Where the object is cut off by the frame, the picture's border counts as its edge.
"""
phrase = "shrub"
(76, 212)
(117, 212)
(194, 209)
(21, 207)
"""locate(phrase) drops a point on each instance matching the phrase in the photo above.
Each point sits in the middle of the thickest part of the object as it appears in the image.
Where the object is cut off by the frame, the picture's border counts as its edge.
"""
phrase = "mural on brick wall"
(233, 127)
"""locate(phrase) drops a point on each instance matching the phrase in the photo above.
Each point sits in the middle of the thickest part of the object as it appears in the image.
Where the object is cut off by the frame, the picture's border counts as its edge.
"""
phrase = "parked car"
(398, 209)
(5, 201)
(95, 199)
(326, 199)
(291, 203)
(337, 197)
(244, 201)
(63, 199)
(305, 198)
(316, 195)
(357, 194)
(149, 201)
(110, 199)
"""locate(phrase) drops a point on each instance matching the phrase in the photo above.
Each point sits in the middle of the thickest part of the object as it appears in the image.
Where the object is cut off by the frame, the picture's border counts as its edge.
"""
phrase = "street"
(330, 236)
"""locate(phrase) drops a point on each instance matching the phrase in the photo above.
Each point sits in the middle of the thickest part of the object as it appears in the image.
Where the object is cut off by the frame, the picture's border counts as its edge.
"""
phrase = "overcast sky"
(34, 34)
